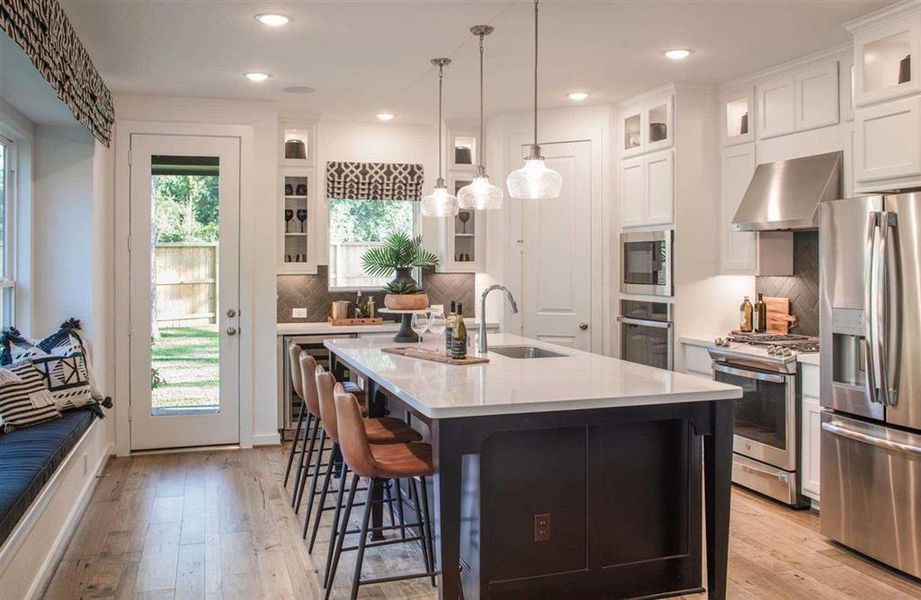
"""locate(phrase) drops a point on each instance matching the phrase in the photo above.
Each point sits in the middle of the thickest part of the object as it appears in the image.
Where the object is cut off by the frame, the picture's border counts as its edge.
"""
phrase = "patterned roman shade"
(373, 181)
(42, 30)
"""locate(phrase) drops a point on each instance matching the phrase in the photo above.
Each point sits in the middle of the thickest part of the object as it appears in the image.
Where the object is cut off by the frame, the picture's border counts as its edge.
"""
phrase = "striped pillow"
(24, 398)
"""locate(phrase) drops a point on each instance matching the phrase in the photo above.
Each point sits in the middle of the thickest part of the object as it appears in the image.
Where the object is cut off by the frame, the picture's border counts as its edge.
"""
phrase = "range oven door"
(765, 415)
(647, 262)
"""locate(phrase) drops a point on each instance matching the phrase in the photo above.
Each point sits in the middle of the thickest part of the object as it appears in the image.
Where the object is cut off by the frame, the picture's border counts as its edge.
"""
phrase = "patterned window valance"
(373, 181)
(41, 28)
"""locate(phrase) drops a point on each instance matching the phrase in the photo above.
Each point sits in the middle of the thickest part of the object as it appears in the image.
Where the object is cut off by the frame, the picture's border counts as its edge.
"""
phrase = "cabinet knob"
(583, 325)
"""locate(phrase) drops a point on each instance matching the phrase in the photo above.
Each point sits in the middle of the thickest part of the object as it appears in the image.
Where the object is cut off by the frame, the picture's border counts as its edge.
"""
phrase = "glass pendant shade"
(480, 195)
(439, 203)
(534, 181)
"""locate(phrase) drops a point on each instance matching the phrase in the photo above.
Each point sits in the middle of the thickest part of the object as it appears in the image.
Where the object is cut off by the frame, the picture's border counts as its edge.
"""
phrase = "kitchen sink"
(524, 352)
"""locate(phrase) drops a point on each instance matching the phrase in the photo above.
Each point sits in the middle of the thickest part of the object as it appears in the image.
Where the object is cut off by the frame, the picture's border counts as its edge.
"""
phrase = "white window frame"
(417, 230)
(10, 197)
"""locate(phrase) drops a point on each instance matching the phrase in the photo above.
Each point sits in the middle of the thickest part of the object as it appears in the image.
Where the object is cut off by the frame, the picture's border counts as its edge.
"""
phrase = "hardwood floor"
(219, 525)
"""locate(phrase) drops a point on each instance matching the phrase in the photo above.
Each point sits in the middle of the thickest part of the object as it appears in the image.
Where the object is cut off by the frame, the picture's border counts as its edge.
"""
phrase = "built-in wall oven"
(646, 262)
(646, 333)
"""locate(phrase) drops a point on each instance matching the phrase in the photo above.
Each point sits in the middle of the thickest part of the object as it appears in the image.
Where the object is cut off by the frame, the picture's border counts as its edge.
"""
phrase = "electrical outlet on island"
(542, 527)
(298, 313)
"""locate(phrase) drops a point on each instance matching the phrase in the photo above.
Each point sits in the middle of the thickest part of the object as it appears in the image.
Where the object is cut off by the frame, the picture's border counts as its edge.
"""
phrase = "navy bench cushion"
(28, 459)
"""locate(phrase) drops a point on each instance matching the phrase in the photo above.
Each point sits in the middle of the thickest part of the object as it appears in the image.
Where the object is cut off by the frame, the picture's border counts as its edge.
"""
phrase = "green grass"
(186, 360)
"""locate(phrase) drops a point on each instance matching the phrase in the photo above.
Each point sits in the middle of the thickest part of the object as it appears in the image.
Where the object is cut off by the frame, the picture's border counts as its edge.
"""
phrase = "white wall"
(258, 237)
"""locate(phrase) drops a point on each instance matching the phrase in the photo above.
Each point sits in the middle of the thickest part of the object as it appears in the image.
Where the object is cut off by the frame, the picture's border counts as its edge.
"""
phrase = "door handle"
(231, 331)
(583, 325)
(872, 366)
(891, 280)
(231, 312)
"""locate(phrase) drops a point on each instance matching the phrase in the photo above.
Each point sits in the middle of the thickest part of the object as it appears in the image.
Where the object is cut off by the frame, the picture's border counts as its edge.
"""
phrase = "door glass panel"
(761, 412)
(185, 236)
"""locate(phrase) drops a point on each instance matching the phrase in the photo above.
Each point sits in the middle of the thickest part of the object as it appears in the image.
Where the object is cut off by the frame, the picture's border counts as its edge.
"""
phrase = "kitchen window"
(7, 204)
(357, 225)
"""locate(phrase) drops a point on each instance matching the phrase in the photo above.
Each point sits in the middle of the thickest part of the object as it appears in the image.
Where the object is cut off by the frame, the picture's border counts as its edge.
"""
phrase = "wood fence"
(186, 284)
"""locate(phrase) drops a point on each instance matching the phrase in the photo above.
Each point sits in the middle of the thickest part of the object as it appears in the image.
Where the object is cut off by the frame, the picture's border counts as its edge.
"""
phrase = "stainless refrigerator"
(870, 325)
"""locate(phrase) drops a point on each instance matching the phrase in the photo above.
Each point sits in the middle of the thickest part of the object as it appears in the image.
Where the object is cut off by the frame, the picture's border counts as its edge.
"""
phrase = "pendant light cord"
(482, 147)
(441, 71)
(535, 71)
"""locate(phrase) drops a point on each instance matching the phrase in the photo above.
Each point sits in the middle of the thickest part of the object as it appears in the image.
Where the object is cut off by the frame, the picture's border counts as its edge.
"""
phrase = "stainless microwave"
(646, 262)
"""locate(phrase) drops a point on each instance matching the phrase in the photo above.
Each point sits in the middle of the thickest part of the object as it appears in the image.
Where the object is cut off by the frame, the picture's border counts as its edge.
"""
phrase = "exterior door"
(184, 291)
(557, 253)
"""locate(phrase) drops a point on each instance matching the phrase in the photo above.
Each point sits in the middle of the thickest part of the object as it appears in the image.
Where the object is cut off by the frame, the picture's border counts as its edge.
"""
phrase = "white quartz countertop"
(576, 381)
(324, 328)
(808, 358)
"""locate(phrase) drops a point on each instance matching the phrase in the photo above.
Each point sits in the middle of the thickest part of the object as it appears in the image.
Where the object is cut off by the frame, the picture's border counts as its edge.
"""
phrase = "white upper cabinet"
(648, 190)
(817, 96)
(886, 60)
(804, 99)
(888, 141)
(647, 125)
(846, 87)
(738, 122)
(739, 248)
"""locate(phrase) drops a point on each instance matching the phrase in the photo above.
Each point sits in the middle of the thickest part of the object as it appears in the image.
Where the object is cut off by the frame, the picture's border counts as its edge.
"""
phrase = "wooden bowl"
(406, 301)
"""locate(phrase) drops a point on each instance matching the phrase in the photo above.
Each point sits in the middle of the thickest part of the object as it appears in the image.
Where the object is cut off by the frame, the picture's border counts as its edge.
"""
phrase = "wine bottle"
(459, 335)
(449, 326)
(760, 316)
(745, 316)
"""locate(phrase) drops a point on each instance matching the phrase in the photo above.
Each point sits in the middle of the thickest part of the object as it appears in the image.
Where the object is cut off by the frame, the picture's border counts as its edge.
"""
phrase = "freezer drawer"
(871, 490)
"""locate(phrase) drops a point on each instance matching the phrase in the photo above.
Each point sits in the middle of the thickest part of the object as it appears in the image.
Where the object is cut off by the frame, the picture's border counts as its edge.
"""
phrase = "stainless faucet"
(481, 346)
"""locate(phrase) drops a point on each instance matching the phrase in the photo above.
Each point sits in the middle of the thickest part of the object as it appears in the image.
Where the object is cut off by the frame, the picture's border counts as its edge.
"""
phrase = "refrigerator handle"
(869, 307)
(890, 281)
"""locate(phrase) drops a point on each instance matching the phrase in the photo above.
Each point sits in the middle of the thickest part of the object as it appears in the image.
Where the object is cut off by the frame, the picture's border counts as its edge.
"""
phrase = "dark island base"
(622, 488)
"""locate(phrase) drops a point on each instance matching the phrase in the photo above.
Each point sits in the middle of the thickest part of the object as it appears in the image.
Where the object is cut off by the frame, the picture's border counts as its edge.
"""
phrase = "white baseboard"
(266, 439)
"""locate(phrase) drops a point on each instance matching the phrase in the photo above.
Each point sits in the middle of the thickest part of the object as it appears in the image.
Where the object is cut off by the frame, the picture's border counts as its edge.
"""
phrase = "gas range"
(769, 351)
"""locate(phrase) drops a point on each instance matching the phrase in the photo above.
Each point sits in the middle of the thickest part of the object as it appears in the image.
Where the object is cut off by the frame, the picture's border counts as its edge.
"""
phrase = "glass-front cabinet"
(297, 196)
(463, 243)
(886, 60)
(647, 125)
(738, 121)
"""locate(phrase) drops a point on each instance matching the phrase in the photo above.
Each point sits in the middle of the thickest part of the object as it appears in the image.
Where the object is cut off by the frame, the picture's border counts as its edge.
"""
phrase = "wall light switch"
(298, 313)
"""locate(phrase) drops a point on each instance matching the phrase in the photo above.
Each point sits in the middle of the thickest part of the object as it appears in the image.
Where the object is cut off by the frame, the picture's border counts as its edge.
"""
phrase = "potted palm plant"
(399, 254)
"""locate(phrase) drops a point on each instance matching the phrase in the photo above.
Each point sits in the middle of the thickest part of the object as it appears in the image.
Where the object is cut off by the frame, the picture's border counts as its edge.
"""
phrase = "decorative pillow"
(24, 398)
(60, 358)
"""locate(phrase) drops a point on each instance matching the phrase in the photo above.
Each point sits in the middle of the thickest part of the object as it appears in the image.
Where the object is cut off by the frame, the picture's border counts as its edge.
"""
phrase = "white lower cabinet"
(697, 360)
(811, 431)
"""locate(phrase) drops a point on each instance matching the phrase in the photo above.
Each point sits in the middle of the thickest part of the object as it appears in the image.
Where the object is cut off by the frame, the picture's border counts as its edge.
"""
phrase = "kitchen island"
(569, 475)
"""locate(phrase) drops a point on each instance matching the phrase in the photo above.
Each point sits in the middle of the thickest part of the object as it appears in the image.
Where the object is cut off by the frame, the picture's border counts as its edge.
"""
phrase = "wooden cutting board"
(435, 356)
(779, 319)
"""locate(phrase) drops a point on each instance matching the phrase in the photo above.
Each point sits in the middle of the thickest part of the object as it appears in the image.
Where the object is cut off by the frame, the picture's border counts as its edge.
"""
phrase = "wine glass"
(437, 323)
(419, 324)
(463, 216)
(289, 214)
(302, 216)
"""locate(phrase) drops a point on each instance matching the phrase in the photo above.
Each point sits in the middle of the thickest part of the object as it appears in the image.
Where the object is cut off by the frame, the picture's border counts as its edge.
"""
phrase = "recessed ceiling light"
(577, 96)
(678, 53)
(257, 76)
(273, 20)
(385, 116)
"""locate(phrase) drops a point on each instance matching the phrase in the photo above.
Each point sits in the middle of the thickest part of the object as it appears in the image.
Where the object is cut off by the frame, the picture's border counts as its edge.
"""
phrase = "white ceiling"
(366, 56)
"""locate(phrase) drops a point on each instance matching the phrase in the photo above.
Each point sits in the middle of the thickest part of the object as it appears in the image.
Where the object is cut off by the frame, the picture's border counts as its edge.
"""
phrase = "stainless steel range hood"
(785, 195)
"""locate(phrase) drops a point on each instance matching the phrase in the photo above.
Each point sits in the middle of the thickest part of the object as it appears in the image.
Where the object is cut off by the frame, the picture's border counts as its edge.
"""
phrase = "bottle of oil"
(745, 316)
(760, 316)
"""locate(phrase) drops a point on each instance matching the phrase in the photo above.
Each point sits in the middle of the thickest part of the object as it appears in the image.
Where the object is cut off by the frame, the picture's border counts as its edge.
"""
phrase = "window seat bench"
(47, 475)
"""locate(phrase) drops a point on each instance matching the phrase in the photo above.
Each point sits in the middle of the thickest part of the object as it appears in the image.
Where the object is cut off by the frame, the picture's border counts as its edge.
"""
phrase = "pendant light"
(480, 194)
(440, 203)
(534, 181)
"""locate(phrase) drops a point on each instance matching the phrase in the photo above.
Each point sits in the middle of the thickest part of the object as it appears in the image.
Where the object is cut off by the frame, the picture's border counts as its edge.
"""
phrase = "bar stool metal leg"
(334, 529)
(428, 546)
(362, 542)
(311, 496)
(303, 464)
(330, 467)
(296, 439)
(341, 537)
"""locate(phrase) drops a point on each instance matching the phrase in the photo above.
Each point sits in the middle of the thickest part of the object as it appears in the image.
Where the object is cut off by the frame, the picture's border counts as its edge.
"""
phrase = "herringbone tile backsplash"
(312, 292)
(803, 287)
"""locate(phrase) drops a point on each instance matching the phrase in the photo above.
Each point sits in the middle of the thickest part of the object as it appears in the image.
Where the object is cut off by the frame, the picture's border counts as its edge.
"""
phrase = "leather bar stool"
(376, 462)
(306, 366)
(385, 430)
(297, 383)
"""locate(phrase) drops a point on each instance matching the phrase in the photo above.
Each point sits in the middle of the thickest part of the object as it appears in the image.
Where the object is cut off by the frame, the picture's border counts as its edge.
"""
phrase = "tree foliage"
(368, 220)
(187, 208)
